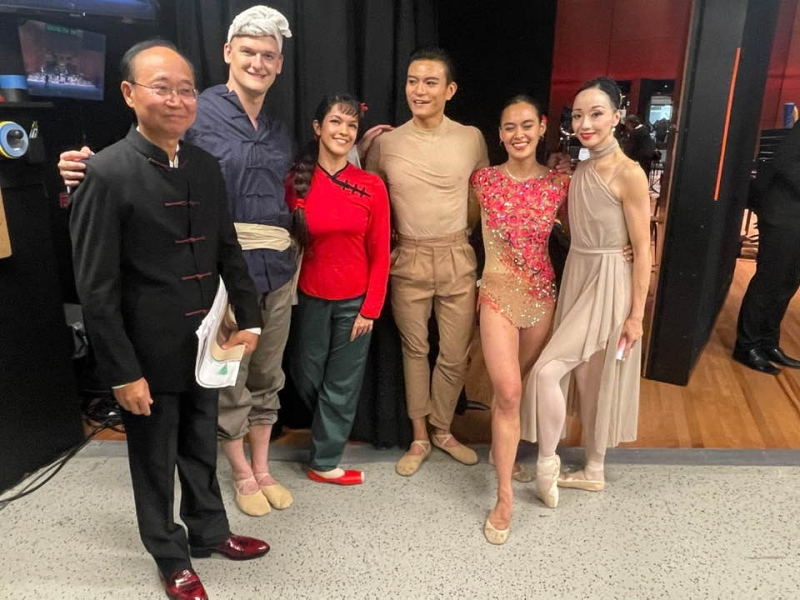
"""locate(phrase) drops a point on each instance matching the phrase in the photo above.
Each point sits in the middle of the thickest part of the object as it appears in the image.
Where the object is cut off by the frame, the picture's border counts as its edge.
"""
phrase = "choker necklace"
(601, 152)
(517, 179)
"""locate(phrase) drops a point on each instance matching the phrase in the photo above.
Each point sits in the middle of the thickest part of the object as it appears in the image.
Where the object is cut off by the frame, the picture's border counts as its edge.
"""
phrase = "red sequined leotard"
(517, 216)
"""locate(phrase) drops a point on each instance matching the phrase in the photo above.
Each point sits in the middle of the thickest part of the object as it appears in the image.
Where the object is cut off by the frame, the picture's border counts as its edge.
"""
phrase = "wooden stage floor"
(725, 405)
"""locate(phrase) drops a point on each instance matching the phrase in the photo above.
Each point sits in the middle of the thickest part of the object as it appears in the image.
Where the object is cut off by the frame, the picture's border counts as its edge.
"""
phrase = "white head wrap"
(260, 21)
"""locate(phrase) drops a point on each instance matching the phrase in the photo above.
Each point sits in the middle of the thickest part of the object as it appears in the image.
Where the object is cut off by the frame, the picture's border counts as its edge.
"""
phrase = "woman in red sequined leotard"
(519, 201)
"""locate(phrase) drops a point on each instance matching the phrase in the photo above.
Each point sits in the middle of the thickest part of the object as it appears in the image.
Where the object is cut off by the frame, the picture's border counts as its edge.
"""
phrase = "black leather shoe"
(777, 355)
(755, 359)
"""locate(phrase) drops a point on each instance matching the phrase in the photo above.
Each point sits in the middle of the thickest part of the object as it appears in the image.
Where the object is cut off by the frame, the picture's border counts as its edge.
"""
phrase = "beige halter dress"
(593, 303)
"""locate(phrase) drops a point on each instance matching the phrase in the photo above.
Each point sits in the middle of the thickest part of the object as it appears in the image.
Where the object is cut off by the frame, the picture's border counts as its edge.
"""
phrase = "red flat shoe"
(350, 477)
(183, 585)
(236, 547)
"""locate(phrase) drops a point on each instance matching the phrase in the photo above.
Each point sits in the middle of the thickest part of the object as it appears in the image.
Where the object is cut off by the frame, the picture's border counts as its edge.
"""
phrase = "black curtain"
(357, 46)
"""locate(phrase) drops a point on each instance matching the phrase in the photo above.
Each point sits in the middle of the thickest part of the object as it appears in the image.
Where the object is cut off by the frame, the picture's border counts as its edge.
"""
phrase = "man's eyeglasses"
(164, 91)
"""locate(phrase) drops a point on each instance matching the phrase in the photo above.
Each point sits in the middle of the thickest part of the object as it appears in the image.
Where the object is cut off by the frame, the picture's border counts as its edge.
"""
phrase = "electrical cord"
(51, 470)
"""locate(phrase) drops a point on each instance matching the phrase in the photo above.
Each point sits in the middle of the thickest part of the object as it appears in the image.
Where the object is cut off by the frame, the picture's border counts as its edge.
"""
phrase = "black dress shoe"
(236, 547)
(755, 359)
(777, 355)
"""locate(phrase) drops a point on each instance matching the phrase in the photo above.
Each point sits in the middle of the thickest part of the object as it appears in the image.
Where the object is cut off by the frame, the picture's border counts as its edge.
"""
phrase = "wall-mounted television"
(63, 62)
(123, 9)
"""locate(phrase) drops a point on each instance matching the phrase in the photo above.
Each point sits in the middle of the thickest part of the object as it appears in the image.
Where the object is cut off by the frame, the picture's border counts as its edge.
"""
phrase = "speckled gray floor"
(659, 531)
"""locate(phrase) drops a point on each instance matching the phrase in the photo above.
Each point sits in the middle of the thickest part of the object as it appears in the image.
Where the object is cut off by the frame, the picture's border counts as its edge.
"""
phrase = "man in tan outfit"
(427, 163)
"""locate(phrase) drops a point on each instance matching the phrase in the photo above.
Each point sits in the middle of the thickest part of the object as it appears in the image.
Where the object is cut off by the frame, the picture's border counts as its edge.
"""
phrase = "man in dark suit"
(778, 264)
(151, 236)
(637, 143)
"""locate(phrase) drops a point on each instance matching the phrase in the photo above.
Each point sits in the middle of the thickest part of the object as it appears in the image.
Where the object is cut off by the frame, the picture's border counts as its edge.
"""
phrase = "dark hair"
(537, 106)
(633, 119)
(437, 54)
(606, 85)
(126, 64)
(306, 160)
(524, 99)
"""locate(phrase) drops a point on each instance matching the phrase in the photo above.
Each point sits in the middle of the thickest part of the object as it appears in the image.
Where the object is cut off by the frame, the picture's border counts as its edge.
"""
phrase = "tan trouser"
(434, 274)
(253, 400)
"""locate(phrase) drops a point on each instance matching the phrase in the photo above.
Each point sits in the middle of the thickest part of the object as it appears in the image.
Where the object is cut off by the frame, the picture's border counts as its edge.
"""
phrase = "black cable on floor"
(57, 464)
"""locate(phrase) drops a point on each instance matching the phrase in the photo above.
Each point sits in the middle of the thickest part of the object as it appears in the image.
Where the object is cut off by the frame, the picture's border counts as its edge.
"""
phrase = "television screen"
(125, 9)
(62, 62)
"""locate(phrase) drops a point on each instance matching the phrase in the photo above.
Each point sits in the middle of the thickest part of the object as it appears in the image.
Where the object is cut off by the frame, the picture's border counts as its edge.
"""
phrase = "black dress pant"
(180, 431)
(771, 288)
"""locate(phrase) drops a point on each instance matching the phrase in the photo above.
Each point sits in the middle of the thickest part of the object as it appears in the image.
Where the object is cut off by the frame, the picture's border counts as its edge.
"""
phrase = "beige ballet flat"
(547, 480)
(277, 495)
(410, 463)
(578, 481)
(522, 474)
(495, 536)
(519, 473)
(255, 505)
(460, 452)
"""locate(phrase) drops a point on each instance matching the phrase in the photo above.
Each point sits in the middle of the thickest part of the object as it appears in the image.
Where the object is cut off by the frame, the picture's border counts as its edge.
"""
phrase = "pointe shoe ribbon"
(410, 463)
(579, 481)
(349, 477)
(460, 452)
(495, 536)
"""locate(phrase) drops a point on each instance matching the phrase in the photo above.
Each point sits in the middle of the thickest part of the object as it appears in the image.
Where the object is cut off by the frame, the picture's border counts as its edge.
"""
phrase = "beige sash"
(254, 236)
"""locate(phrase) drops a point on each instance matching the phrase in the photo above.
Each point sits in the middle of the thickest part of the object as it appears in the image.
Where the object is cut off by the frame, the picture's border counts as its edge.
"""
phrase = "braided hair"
(306, 160)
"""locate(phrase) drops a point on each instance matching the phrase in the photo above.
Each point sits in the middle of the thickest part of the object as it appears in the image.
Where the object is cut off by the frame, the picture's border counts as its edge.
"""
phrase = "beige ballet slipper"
(255, 505)
(410, 463)
(579, 481)
(460, 452)
(279, 497)
(495, 536)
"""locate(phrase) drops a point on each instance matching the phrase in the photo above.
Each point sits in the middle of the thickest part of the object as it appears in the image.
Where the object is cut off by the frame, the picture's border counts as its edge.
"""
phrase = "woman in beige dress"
(598, 321)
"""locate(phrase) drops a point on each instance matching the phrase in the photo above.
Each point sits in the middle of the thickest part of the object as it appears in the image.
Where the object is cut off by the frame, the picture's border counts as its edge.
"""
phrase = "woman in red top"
(519, 201)
(342, 217)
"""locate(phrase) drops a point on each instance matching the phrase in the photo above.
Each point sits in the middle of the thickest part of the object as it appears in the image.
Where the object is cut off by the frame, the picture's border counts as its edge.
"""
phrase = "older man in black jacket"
(778, 265)
(151, 236)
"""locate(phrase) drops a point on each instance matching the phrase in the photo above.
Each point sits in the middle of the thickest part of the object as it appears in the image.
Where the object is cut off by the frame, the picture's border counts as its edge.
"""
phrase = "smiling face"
(594, 118)
(253, 64)
(521, 128)
(160, 117)
(427, 91)
(337, 132)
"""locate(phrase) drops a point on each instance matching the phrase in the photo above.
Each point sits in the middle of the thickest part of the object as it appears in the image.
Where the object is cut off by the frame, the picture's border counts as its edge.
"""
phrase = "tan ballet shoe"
(577, 480)
(279, 497)
(547, 471)
(495, 536)
(460, 452)
(410, 463)
(519, 473)
(255, 505)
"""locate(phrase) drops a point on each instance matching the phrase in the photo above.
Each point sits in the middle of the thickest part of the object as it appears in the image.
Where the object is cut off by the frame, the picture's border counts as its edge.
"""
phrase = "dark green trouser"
(327, 369)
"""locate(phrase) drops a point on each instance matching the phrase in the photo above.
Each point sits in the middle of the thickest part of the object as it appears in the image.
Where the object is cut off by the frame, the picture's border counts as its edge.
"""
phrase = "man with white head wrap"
(260, 21)
(255, 154)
